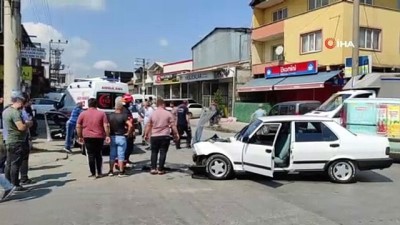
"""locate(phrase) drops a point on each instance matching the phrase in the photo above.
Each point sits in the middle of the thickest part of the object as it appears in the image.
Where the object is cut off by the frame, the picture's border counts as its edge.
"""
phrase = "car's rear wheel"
(218, 167)
(342, 171)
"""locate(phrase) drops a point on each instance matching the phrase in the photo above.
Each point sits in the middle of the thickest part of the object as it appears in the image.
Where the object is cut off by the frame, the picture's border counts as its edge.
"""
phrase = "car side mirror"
(245, 139)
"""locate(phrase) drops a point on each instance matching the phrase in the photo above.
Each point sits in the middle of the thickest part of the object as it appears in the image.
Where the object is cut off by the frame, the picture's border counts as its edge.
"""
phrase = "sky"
(110, 34)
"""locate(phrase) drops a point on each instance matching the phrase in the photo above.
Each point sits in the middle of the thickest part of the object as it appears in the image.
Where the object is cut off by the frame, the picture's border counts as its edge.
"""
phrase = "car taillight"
(387, 152)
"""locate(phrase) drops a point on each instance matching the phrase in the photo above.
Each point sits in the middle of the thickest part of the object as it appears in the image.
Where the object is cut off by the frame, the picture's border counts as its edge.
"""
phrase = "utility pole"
(356, 37)
(12, 48)
(141, 62)
(55, 63)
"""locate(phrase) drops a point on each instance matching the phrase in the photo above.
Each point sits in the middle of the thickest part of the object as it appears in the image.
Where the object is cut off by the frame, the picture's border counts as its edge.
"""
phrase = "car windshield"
(248, 130)
(333, 102)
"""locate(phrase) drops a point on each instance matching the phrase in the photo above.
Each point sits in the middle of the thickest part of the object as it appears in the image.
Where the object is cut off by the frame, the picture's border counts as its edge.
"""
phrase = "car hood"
(223, 146)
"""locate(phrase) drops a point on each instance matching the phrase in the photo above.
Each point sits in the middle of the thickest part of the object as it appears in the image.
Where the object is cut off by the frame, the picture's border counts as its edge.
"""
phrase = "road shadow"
(55, 176)
(144, 167)
(372, 177)
(46, 167)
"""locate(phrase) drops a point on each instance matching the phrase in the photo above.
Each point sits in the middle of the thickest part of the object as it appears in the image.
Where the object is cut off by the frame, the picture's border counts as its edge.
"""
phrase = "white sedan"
(43, 105)
(292, 144)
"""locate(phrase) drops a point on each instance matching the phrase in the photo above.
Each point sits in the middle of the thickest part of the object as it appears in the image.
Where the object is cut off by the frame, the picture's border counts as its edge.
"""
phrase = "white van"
(138, 98)
(103, 90)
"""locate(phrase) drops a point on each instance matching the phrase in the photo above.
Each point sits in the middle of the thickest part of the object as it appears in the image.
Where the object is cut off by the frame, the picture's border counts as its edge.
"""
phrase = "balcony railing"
(267, 32)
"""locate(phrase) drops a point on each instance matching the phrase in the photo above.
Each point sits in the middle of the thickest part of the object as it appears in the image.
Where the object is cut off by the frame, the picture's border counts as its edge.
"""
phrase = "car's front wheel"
(218, 167)
(342, 171)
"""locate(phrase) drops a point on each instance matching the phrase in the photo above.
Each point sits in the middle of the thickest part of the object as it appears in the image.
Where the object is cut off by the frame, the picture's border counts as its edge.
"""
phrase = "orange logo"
(330, 43)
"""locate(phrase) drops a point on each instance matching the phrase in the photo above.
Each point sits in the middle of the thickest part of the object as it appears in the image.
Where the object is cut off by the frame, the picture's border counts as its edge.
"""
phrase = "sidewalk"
(229, 125)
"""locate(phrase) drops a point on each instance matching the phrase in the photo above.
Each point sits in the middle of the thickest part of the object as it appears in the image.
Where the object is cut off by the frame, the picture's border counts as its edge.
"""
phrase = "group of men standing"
(16, 144)
(94, 129)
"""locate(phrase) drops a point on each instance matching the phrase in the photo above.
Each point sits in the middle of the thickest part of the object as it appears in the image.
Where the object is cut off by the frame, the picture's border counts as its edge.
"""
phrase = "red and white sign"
(295, 69)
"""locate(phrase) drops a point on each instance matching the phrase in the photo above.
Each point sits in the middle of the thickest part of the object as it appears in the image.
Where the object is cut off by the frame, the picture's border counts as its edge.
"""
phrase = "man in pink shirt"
(93, 128)
(159, 128)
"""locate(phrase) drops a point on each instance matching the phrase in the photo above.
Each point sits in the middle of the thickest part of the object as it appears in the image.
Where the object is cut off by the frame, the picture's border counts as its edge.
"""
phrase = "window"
(265, 135)
(311, 42)
(370, 38)
(281, 14)
(46, 102)
(315, 4)
(363, 95)
(274, 111)
(106, 100)
(366, 2)
(274, 56)
(313, 132)
(307, 107)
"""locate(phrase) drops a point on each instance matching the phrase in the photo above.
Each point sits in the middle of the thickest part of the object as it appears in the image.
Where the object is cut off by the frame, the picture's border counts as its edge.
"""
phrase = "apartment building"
(289, 32)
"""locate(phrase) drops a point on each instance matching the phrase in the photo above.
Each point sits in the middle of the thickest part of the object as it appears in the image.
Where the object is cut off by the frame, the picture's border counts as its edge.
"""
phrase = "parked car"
(195, 109)
(292, 143)
(43, 105)
(293, 108)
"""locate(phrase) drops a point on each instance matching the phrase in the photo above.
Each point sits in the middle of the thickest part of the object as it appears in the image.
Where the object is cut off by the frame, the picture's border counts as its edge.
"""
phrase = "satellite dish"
(279, 50)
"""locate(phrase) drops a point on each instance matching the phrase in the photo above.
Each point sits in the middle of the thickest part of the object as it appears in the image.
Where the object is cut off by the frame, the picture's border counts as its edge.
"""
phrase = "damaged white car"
(292, 144)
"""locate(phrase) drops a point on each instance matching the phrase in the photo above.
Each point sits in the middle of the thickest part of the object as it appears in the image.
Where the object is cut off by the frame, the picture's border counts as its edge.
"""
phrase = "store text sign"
(197, 77)
(295, 69)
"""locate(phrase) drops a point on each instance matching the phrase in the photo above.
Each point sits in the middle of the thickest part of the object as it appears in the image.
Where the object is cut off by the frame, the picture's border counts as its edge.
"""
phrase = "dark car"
(293, 108)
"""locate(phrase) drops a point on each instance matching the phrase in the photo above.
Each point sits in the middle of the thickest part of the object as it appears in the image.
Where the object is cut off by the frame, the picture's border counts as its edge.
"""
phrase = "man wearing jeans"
(7, 186)
(16, 146)
(120, 129)
(71, 126)
(159, 128)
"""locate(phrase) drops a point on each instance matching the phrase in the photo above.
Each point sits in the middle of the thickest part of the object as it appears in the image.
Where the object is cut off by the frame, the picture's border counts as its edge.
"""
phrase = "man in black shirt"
(120, 129)
(127, 100)
(183, 124)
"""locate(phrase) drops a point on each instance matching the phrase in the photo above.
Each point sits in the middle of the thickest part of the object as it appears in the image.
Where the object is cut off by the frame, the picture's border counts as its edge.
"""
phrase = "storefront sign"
(33, 53)
(197, 76)
(295, 69)
(167, 79)
(364, 66)
(26, 73)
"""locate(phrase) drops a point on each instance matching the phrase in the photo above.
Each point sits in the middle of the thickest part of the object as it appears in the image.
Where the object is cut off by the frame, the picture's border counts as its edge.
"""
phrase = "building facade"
(220, 63)
(290, 33)
(168, 83)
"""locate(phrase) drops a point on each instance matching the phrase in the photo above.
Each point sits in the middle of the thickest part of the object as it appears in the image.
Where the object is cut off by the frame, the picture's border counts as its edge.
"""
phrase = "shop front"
(293, 82)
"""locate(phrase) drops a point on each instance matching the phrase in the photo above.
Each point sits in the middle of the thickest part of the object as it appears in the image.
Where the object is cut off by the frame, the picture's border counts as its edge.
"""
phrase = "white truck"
(373, 85)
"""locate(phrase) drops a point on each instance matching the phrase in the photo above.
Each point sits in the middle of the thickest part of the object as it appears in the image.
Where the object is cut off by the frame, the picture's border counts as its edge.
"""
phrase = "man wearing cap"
(17, 131)
(260, 112)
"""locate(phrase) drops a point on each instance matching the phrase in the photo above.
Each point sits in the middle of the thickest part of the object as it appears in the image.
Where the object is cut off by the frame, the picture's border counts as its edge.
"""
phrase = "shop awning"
(306, 82)
(260, 84)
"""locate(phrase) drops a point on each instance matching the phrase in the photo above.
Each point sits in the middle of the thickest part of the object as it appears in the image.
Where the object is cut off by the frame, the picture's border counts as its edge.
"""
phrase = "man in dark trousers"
(183, 124)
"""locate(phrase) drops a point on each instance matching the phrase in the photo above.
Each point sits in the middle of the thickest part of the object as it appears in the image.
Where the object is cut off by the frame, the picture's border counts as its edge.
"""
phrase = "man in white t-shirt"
(146, 112)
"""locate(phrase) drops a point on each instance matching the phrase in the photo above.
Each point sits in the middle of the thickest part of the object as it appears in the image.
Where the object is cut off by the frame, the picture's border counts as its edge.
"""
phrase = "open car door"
(258, 153)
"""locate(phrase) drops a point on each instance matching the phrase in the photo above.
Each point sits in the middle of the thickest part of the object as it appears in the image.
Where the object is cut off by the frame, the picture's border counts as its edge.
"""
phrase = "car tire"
(218, 167)
(342, 171)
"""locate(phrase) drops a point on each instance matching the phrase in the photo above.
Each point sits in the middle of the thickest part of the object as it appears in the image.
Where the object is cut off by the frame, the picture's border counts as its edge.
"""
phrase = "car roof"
(294, 118)
(298, 102)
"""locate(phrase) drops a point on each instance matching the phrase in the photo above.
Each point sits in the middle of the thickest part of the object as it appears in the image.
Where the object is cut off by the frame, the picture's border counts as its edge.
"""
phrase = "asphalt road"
(64, 194)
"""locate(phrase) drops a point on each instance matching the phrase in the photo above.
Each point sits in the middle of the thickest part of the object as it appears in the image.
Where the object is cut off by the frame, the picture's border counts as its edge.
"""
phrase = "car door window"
(265, 135)
(291, 110)
(283, 110)
(313, 132)
(307, 107)
(46, 102)
(274, 111)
